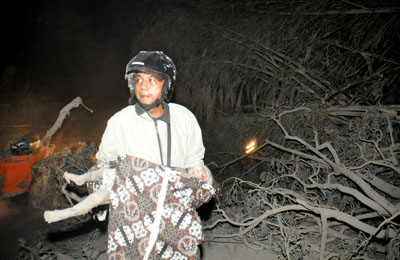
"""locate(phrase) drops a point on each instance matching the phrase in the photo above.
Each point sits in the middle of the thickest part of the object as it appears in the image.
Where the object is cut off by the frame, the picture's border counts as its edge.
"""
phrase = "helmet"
(153, 62)
(20, 146)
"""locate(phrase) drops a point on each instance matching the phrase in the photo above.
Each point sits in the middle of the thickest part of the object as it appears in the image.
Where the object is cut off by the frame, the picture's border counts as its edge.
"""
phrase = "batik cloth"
(133, 205)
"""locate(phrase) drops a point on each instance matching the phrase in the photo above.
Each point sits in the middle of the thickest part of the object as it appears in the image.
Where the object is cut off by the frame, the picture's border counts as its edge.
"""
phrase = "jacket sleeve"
(194, 144)
(108, 146)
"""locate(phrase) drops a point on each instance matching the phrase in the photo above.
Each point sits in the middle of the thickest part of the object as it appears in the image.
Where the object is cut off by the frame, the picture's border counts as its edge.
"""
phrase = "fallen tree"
(64, 112)
(316, 191)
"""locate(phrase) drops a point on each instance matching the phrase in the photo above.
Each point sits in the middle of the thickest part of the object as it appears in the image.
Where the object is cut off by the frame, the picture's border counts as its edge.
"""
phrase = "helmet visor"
(131, 77)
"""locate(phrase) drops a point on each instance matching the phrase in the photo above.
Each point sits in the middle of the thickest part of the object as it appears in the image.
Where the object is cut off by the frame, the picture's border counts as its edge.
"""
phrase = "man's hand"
(200, 172)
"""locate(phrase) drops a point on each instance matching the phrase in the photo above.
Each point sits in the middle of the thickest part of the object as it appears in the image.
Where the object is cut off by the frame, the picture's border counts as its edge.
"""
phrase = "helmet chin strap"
(147, 107)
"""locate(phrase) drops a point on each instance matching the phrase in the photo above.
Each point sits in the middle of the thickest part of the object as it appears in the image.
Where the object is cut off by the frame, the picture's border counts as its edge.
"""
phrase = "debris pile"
(74, 238)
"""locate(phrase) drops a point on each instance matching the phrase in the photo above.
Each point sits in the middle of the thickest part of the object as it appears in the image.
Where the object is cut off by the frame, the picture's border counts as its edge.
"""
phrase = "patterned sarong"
(133, 207)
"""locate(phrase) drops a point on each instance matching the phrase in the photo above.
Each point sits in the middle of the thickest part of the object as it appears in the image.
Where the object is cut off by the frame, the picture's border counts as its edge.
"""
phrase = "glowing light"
(35, 145)
(251, 146)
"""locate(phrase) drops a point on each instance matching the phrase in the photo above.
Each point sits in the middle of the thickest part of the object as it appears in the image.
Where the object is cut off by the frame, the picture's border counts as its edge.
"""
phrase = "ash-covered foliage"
(316, 84)
(247, 55)
(320, 182)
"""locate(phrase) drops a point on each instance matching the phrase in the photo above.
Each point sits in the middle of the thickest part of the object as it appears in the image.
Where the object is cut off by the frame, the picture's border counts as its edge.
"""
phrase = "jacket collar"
(164, 117)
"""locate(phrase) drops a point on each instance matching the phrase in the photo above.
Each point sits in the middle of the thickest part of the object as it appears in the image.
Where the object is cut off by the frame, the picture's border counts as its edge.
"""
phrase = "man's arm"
(109, 143)
(202, 173)
(194, 160)
(194, 144)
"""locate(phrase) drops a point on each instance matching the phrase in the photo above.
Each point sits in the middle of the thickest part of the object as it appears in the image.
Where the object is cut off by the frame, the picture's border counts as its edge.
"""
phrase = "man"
(160, 174)
(150, 128)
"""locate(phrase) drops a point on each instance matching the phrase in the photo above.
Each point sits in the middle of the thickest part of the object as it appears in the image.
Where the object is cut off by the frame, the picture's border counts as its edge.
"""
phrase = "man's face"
(148, 87)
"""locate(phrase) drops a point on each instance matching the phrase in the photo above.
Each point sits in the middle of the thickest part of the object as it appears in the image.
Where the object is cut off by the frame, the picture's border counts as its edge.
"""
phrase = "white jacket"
(132, 132)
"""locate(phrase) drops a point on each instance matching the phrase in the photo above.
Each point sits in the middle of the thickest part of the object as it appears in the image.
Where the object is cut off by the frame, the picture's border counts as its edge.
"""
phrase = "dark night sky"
(72, 45)
(66, 39)
(28, 24)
